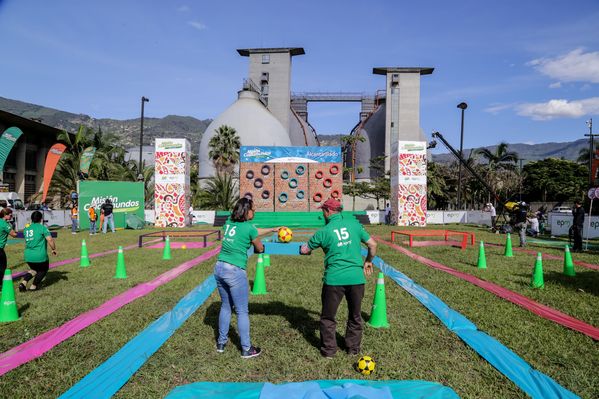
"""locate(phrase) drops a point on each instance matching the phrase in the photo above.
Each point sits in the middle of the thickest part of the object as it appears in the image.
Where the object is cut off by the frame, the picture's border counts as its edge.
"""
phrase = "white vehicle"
(562, 209)
(12, 200)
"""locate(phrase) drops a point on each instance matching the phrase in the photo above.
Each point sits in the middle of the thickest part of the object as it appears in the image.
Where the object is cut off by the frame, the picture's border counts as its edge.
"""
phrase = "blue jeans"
(73, 225)
(92, 227)
(233, 288)
(108, 219)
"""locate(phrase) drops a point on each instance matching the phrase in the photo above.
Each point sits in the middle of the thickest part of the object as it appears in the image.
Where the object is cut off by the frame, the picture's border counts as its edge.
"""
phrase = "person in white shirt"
(191, 215)
(533, 222)
(388, 214)
(490, 208)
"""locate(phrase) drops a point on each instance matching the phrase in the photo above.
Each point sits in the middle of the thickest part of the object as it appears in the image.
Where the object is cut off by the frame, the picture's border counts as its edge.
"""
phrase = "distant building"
(24, 167)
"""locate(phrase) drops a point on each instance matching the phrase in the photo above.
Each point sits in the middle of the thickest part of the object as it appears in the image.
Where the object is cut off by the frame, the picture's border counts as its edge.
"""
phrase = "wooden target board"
(296, 174)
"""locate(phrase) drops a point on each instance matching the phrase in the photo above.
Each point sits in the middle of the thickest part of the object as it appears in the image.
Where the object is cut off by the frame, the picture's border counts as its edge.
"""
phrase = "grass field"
(285, 322)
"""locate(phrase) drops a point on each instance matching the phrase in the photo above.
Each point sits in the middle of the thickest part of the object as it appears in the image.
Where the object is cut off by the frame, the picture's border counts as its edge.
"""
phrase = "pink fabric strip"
(41, 344)
(528, 251)
(73, 260)
(545, 312)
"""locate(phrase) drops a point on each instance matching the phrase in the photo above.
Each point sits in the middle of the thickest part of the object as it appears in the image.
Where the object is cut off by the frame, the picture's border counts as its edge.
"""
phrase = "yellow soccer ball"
(365, 365)
(27, 225)
(285, 234)
(183, 246)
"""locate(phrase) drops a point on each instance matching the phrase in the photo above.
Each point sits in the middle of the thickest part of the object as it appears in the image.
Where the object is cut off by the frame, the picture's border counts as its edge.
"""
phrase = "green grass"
(285, 323)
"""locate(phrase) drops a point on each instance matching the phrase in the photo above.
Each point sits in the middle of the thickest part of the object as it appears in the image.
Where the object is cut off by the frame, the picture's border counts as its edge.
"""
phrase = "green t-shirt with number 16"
(237, 238)
(35, 243)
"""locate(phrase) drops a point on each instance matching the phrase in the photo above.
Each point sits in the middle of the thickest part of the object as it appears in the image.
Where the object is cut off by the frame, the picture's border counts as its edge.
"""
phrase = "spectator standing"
(74, 218)
(344, 275)
(491, 209)
(533, 222)
(520, 225)
(577, 225)
(37, 238)
(107, 211)
(388, 213)
(5, 231)
(93, 217)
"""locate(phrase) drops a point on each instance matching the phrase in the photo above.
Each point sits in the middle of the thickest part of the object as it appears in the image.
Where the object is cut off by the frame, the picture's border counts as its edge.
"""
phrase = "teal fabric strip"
(531, 381)
(110, 376)
(303, 390)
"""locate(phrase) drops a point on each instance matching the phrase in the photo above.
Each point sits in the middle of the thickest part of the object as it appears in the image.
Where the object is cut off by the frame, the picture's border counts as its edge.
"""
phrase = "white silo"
(255, 125)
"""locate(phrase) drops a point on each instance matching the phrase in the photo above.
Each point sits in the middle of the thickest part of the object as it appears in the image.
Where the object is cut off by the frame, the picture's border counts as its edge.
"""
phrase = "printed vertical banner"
(408, 183)
(172, 193)
(52, 159)
(86, 159)
(7, 142)
(126, 197)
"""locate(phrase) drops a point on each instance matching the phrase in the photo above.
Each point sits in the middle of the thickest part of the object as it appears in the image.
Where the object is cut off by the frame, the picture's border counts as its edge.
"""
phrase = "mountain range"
(175, 126)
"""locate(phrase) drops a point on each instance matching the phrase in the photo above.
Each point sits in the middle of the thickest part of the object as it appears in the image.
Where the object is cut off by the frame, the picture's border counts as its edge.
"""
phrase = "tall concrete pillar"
(270, 71)
(403, 105)
(41, 153)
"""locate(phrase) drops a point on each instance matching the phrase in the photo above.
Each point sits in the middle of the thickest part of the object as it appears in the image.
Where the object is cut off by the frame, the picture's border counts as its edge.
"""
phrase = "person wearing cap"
(520, 225)
(577, 224)
(344, 275)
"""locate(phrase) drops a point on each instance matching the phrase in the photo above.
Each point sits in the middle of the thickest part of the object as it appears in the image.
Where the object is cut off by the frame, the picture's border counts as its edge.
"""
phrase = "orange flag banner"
(51, 161)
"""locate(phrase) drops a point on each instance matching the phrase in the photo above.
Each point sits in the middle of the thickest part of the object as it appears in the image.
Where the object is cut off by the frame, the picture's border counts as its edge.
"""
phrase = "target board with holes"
(256, 181)
(298, 178)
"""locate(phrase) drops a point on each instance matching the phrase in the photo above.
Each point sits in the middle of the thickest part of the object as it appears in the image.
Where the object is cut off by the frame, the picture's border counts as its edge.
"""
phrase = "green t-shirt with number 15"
(237, 238)
(341, 240)
(35, 243)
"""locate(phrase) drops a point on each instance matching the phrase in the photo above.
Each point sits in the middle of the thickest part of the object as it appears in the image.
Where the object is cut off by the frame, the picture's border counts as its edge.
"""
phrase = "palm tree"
(501, 158)
(220, 193)
(224, 149)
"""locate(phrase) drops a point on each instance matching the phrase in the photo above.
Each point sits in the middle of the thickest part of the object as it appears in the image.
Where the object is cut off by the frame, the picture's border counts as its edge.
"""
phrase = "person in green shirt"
(5, 231)
(344, 275)
(37, 237)
(231, 278)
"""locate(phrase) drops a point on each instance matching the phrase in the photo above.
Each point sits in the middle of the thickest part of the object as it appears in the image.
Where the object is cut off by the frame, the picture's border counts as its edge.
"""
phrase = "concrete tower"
(270, 72)
(402, 105)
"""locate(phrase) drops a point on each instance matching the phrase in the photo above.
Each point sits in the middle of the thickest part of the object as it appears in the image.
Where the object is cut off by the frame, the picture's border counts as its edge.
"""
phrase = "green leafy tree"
(437, 185)
(220, 193)
(500, 159)
(554, 179)
(224, 149)
(349, 154)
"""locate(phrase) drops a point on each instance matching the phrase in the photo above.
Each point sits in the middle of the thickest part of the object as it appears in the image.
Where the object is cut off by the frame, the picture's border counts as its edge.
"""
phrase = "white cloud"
(575, 66)
(559, 109)
(183, 8)
(555, 85)
(496, 108)
(198, 25)
(526, 142)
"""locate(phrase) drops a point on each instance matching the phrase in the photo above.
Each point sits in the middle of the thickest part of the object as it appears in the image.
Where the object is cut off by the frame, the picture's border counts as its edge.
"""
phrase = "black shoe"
(220, 348)
(353, 351)
(252, 352)
(22, 287)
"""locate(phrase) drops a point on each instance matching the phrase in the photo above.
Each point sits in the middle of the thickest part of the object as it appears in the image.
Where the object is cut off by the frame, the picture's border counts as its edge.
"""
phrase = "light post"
(591, 151)
(461, 106)
(520, 178)
(140, 176)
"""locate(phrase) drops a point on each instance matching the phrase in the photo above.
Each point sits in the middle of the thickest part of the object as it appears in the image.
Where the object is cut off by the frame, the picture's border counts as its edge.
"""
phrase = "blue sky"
(529, 70)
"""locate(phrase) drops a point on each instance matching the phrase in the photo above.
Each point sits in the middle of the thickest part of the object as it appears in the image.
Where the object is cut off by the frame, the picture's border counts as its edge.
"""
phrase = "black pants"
(41, 268)
(577, 235)
(331, 298)
(3, 262)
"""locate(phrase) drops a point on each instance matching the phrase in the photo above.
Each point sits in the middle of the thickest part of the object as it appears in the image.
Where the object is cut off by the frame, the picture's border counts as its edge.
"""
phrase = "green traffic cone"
(266, 260)
(166, 254)
(378, 314)
(8, 304)
(537, 274)
(121, 270)
(568, 264)
(84, 261)
(508, 246)
(482, 259)
(259, 287)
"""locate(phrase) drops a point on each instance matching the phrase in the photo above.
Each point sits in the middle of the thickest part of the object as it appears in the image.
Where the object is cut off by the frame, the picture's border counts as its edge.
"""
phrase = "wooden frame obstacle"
(446, 234)
(204, 234)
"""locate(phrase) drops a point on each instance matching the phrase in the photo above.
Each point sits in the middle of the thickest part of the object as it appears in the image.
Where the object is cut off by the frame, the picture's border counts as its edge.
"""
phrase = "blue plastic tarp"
(106, 379)
(320, 389)
(531, 381)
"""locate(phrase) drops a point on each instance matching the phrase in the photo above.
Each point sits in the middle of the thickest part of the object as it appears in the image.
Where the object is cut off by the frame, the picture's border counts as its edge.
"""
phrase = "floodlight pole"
(141, 137)
(461, 106)
(591, 137)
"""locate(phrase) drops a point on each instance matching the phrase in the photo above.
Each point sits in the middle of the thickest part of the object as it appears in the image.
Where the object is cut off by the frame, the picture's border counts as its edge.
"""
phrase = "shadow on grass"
(54, 277)
(299, 318)
(587, 281)
(23, 308)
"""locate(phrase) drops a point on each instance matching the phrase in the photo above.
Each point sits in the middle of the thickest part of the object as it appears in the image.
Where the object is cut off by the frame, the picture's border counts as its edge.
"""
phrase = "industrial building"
(267, 113)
